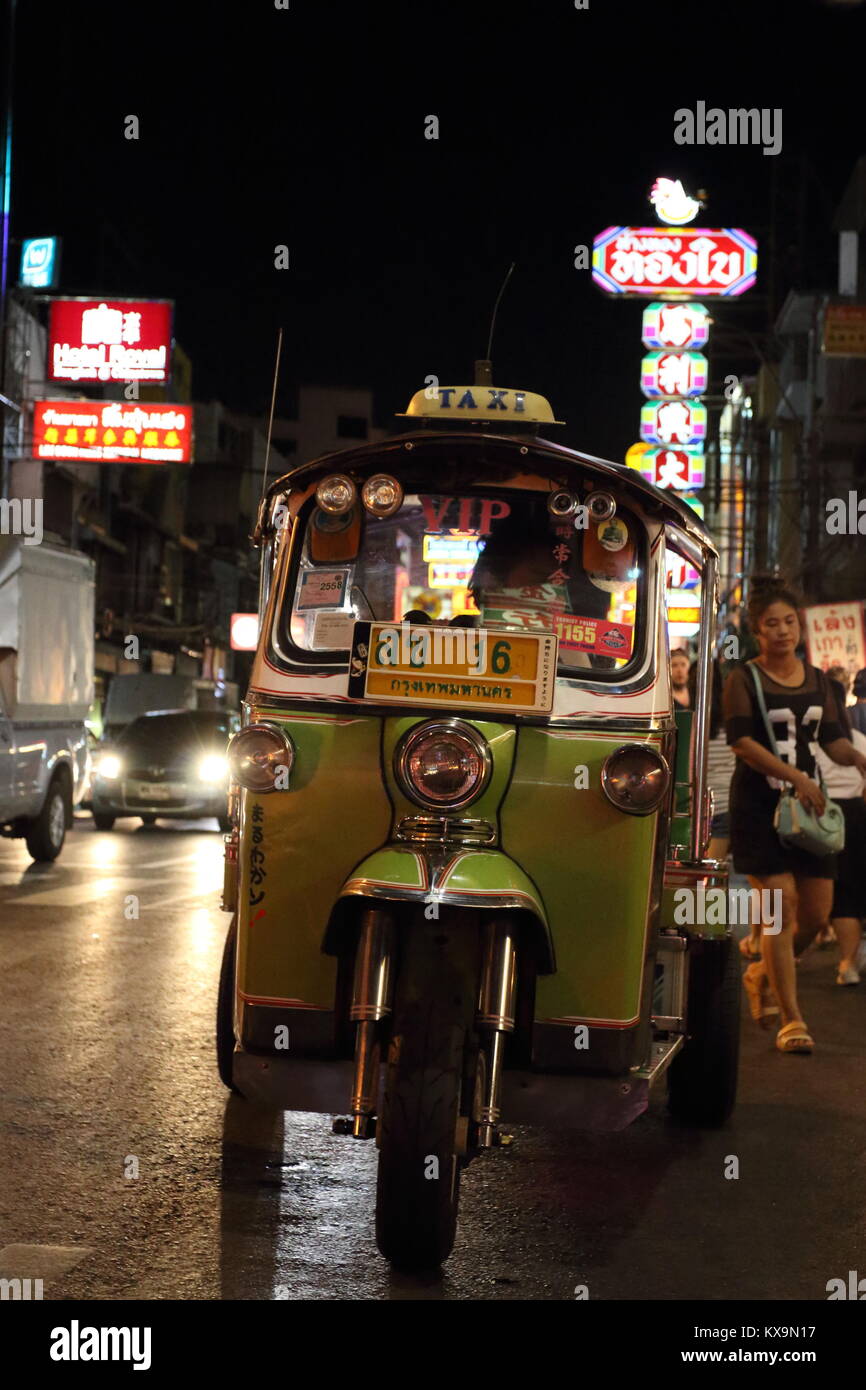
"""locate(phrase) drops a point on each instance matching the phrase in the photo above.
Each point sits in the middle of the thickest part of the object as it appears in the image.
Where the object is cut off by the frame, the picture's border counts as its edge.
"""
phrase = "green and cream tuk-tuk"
(464, 801)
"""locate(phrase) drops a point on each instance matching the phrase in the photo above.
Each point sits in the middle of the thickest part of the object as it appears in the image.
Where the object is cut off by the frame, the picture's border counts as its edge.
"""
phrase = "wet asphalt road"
(106, 1071)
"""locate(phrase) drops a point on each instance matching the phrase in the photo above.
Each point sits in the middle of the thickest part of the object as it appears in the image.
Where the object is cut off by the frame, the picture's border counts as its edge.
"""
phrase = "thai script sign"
(836, 635)
(693, 263)
(112, 432)
(405, 663)
(845, 330)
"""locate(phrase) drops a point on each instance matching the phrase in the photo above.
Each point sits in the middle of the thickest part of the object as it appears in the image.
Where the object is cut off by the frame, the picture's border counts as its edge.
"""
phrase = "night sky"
(262, 126)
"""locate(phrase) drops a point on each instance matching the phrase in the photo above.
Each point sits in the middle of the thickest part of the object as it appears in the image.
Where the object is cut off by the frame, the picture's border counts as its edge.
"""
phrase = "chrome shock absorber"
(495, 1018)
(372, 990)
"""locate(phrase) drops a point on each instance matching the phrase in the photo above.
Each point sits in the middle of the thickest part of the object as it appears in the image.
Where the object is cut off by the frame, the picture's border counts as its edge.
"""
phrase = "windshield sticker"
(531, 606)
(594, 635)
(613, 534)
(322, 589)
(469, 514)
(333, 631)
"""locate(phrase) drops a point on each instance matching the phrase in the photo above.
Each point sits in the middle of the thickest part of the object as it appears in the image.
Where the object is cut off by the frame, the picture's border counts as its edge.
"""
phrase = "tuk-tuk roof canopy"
(528, 451)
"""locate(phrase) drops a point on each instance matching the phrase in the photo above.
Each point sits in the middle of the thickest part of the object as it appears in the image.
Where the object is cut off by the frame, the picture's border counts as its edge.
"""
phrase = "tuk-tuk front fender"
(483, 879)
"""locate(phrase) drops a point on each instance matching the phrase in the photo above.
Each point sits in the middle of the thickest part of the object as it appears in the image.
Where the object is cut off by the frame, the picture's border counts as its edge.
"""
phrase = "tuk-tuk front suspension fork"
(495, 1018)
(372, 992)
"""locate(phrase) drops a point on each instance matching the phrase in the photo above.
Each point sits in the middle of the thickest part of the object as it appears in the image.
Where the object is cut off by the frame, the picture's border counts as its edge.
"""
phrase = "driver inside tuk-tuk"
(524, 565)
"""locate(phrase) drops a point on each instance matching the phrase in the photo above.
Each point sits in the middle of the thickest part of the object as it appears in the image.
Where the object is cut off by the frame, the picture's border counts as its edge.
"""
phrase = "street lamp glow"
(244, 632)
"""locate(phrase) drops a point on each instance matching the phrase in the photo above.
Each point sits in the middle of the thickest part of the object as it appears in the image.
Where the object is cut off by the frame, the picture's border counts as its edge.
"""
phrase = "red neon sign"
(674, 262)
(110, 340)
(112, 431)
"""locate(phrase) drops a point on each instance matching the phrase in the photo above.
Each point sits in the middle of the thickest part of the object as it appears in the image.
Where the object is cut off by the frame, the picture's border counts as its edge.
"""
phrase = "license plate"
(154, 792)
(453, 666)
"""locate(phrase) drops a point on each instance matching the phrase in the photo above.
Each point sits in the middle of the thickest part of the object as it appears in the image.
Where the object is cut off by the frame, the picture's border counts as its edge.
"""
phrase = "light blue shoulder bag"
(797, 826)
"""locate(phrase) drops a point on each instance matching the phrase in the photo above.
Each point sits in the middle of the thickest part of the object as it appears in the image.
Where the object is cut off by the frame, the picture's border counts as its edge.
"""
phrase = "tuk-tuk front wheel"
(702, 1079)
(429, 1090)
(225, 1027)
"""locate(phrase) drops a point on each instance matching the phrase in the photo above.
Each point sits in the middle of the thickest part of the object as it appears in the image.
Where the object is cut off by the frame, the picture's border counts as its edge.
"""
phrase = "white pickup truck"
(46, 689)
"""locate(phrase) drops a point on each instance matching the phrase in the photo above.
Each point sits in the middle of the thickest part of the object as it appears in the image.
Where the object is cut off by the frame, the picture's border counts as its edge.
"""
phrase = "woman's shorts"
(849, 895)
(763, 854)
(720, 827)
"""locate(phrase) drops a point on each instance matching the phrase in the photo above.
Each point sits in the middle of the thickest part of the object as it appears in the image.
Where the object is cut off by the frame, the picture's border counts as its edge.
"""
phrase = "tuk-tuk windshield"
(496, 559)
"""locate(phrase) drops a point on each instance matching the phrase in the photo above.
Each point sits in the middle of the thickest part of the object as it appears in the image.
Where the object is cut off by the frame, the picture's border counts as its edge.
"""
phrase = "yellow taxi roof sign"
(462, 404)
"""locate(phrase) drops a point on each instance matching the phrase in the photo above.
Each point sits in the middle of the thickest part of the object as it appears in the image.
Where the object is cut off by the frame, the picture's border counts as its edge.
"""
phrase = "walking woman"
(803, 715)
(847, 786)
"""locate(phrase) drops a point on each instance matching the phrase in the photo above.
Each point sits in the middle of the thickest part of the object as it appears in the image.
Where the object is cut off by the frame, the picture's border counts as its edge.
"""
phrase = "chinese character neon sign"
(116, 340)
(112, 432)
(673, 422)
(675, 326)
(674, 374)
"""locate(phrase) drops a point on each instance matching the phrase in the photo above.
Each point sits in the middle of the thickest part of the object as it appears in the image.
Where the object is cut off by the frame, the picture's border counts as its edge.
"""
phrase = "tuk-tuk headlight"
(257, 755)
(336, 494)
(382, 495)
(446, 763)
(635, 779)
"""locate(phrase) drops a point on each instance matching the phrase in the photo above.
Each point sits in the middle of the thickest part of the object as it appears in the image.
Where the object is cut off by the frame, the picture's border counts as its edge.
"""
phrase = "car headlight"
(446, 763)
(257, 754)
(109, 767)
(635, 779)
(213, 768)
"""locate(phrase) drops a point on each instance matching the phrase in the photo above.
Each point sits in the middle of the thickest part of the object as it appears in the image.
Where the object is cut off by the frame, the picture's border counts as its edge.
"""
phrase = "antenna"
(496, 308)
(273, 402)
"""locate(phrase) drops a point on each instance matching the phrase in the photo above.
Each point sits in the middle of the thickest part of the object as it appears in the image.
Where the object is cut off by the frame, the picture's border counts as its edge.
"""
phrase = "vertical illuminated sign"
(40, 263)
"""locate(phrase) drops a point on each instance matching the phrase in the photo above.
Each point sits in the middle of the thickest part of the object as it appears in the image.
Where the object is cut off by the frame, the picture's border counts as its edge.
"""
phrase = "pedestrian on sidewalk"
(721, 764)
(857, 712)
(847, 787)
(803, 713)
(680, 671)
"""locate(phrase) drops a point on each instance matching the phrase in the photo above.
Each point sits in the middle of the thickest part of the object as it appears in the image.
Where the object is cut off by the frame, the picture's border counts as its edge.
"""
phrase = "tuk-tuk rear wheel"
(702, 1079)
(429, 1086)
